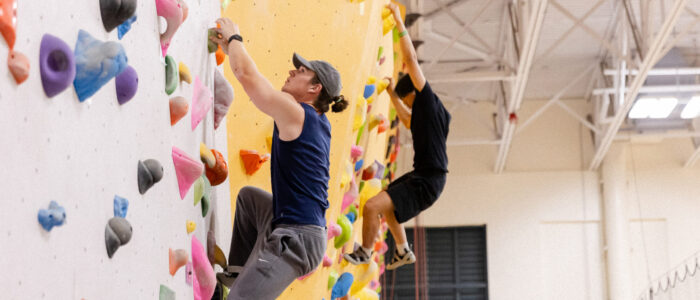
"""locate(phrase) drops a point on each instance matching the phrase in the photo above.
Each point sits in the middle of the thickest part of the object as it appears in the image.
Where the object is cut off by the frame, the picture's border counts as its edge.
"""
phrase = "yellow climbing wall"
(346, 34)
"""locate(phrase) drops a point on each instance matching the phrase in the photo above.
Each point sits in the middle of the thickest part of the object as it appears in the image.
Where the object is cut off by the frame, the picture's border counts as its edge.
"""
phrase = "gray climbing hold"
(117, 233)
(150, 172)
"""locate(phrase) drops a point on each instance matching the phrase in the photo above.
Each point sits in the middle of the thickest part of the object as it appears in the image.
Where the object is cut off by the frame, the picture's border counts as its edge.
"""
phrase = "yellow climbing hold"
(206, 155)
(372, 188)
(268, 139)
(381, 85)
(388, 22)
(184, 73)
(360, 113)
(191, 226)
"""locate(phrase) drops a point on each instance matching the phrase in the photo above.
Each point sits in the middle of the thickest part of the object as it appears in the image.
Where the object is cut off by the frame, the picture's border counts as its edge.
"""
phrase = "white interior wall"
(543, 215)
(82, 154)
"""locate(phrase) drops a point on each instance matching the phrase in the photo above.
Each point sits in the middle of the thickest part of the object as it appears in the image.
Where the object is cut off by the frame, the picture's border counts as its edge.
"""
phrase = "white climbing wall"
(82, 154)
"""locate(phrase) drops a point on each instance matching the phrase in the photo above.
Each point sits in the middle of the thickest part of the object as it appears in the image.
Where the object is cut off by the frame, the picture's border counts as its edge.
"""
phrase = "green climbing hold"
(380, 52)
(345, 233)
(171, 74)
(166, 293)
(211, 45)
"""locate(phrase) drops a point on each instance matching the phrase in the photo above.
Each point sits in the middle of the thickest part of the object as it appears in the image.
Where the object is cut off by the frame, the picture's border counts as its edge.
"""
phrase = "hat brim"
(299, 61)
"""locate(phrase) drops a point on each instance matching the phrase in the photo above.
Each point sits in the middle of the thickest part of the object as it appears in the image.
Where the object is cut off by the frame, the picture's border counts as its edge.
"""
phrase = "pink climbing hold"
(204, 278)
(186, 169)
(201, 102)
(334, 230)
(174, 12)
(327, 261)
(188, 273)
(356, 151)
(350, 195)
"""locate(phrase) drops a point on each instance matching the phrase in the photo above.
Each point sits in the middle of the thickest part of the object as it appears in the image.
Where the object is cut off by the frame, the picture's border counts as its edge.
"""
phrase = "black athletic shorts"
(414, 192)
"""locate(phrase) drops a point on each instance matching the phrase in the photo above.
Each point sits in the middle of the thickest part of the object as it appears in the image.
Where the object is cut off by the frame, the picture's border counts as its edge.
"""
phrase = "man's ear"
(315, 88)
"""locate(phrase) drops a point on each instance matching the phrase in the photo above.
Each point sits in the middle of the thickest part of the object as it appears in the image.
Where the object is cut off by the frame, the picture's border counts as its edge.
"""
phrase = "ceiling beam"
(653, 56)
(464, 47)
(532, 35)
(434, 13)
(459, 22)
(470, 77)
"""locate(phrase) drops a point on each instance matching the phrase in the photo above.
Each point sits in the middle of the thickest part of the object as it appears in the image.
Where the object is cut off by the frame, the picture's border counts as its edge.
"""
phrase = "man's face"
(298, 84)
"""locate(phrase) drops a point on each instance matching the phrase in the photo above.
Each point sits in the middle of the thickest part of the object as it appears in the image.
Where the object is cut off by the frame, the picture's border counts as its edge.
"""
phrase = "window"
(456, 264)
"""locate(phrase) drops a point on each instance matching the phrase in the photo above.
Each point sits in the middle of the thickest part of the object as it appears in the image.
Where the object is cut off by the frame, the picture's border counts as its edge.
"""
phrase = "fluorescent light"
(655, 108)
(642, 108)
(692, 109)
(664, 107)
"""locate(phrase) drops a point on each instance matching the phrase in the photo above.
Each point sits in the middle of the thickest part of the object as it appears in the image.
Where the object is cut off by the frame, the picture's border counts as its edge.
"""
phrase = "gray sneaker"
(400, 260)
(358, 257)
(228, 276)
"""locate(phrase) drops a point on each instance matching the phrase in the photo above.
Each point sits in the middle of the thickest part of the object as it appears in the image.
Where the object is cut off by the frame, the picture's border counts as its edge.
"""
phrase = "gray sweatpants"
(271, 257)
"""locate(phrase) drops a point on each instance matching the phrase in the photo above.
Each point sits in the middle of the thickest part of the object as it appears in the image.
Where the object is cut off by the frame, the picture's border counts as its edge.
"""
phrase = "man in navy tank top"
(280, 236)
(421, 110)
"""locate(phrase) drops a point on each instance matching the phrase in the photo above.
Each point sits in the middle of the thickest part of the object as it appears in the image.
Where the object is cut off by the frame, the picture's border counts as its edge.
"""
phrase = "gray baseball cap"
(329, 76)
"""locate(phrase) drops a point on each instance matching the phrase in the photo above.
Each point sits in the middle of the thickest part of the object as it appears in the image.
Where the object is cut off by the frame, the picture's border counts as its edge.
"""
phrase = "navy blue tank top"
(299, 171)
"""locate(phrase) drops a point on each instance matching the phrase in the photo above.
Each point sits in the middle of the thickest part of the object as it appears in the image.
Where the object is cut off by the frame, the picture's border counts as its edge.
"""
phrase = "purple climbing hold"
(56, 65)
(127, 83)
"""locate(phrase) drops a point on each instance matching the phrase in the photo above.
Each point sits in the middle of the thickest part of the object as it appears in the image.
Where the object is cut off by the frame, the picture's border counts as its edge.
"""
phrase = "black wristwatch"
(235, 37)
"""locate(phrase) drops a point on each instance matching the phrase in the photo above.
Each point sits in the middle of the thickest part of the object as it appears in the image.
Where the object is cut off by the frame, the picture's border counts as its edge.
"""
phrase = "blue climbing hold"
(125, 27)
(342, 286)
(351, 216)
(54, 216)
(96, 63)
(121, 205)
(369, 90)
(358, 165)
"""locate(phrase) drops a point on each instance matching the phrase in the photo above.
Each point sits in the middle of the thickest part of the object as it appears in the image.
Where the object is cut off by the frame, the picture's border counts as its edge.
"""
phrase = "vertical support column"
(616, 224)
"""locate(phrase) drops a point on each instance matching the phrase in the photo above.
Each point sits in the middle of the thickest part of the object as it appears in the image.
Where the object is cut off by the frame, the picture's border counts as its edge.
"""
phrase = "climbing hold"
(380, 51)
(171, 76)
(55, 215)
(56, 65)
(382, 60)
(96, 63)
(127, 83)
(188, 273)
(219, 55)
(334, 230)
(176, 259)
(187, 170)
(368, 172)
(352, 209)
(211, 45)
(121, 205)
(149, 172)
(123, 28)
(382, 85)
(252, 160)
(219, 172)
(356, 151)
(268, 141)
(224, 4)
(332, 279)
(345, 176)
(201, 102)
(116, 12)
(358, 164)
(366, 294)
(376, 120)
(174, 12)
(19, 66)
(166, 293)
(205, 206)
(203, 272)
(8, 21)
(178, 109)
(351, 216)
(373, 284)
(383, 125)
(219, 257)
(345, 233)
(342, 286)
(369, 90)
(379, 169)
(349, 196)
(381, 247)
(202, 189)
(223, 96)
(191, 226)
(327, 261)
(372, 188)
(365, 274)
(117, 233)
(388, 23)
(360, 113)
(184, 72)
(206, 155)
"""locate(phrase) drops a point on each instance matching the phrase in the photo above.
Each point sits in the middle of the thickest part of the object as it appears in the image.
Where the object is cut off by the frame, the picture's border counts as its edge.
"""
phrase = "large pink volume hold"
(201, 102)
(204, 278)
(186, 169)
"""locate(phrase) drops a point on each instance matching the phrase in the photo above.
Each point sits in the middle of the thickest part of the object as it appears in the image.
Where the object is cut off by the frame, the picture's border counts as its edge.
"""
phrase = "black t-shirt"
(430, 124)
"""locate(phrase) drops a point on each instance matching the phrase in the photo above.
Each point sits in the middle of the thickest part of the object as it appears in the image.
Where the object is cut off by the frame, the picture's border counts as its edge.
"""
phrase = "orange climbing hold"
(220, 55)
(252, 160)
(19, 66)
(8, 21)
(219, 172)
